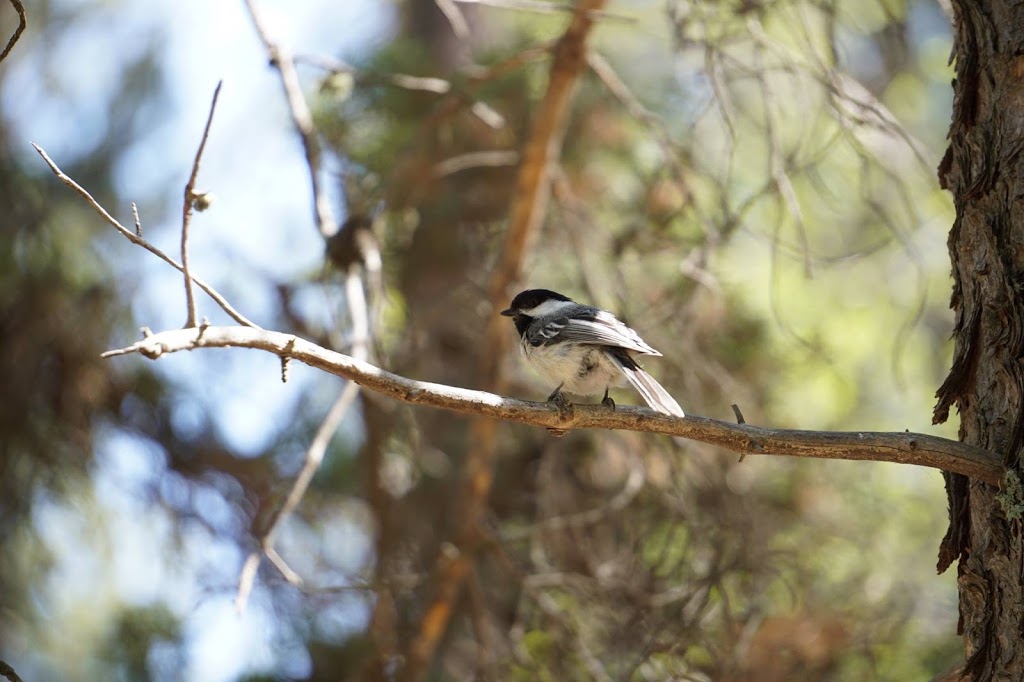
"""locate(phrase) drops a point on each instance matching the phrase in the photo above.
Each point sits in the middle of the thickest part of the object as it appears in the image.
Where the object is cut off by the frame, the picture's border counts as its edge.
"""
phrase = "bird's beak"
(508, 313)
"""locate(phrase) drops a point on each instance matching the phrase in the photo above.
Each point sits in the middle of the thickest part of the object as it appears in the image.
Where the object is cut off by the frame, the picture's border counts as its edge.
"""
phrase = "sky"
(254, 165)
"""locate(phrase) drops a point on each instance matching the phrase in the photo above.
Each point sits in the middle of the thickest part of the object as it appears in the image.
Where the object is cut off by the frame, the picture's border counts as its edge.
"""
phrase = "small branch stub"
(739, 420)
(286, 359)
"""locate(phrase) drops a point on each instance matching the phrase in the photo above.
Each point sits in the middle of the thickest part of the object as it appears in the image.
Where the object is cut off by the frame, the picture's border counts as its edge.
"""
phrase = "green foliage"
(755, 211)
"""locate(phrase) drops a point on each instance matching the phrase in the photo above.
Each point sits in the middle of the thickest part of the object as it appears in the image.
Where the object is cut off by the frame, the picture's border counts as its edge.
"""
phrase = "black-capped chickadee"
(582, 348)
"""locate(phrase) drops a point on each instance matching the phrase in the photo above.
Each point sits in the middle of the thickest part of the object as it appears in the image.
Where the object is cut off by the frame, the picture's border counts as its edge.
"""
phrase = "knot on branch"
(286, 359)
(152, 351)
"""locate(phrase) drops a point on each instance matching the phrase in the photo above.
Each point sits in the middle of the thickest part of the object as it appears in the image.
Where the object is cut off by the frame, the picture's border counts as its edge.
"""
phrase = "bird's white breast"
(580, 369)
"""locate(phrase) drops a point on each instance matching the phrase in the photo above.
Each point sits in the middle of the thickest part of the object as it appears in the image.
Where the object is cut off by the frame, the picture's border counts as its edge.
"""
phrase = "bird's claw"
(607, 400)
(558, 399)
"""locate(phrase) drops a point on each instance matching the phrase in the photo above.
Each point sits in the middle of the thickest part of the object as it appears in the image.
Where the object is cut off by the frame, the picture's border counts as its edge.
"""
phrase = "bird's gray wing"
(593, 326)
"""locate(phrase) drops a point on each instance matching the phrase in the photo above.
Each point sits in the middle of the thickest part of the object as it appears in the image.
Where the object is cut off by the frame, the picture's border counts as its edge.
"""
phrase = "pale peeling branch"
(901, 447)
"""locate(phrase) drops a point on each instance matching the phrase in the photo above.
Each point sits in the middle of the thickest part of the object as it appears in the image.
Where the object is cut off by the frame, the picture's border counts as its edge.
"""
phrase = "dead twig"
(186, 211)
(622, 499)
(139, 241)
(283, 61)
(360, 320)
(451, 11)
(314, 456)
(22, 25)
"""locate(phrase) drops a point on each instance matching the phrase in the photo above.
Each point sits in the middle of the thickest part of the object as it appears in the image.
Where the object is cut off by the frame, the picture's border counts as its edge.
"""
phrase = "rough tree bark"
(984, 170)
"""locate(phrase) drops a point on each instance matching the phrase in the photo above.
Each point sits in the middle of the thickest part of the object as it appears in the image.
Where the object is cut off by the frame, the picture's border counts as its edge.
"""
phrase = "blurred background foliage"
(749, 184)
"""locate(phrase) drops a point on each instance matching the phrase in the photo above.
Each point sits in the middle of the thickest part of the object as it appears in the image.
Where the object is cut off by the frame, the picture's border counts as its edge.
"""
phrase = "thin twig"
(622, 499)
(8, 672)
(246, 580)
(291, 576)
(487, 159)
(439, 86)
(22, 25)
(138, 220)
(283, 61)
(671, 152)
(186, 212)
(359, 317)
(547, 8)
(451, 11)
(900, 447)
(139, 241)
(314, 456)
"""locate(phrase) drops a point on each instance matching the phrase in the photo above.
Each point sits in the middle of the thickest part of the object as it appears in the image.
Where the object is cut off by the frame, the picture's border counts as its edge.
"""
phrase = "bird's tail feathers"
(653, 392)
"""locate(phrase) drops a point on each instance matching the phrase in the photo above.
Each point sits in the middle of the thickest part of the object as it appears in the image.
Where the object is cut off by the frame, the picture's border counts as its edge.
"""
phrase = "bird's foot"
(561, 402)
(607, 401)
(557, 396)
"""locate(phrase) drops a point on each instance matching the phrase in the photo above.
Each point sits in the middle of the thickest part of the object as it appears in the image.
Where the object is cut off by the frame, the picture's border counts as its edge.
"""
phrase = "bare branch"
(8, 672)
(138, 220)
(283, 61)
(314, 456)
(622, 499)
(547, 8)
(139, 241)
(246, 580)
(186, 214)
(291, 576)
(22, 25)
(451, 11)
(489, 159)
(900, 447)
(439, 86)
(360, 319)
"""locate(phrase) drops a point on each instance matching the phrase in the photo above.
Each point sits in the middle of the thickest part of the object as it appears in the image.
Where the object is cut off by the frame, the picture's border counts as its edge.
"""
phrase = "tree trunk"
(984, 170)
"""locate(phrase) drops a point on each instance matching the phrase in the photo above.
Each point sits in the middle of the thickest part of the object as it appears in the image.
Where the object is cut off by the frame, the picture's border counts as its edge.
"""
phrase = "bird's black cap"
(531, 298)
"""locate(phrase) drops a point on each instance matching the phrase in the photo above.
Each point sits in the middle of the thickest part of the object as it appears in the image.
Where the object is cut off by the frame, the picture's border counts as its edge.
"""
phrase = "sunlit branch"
(282, 60)
(900, 447)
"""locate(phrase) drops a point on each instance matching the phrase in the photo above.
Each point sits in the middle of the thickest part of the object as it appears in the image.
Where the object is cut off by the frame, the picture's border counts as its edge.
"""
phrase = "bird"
(583, 349)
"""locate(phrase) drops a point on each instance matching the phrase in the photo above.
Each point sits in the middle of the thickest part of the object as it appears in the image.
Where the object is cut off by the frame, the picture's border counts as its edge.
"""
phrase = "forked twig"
(139, 241)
